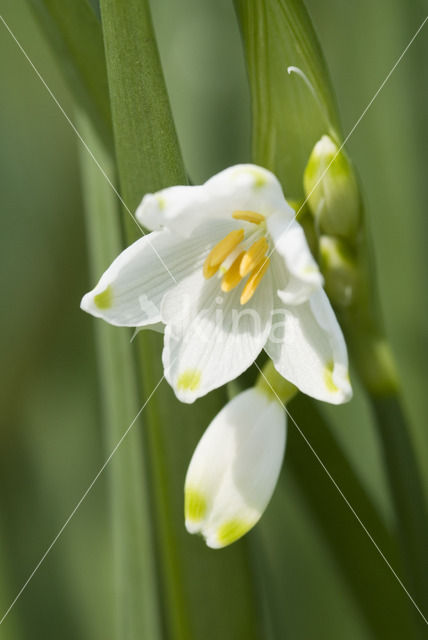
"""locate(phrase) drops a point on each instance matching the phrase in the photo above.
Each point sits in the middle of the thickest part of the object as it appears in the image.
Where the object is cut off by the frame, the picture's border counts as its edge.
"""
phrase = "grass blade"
(206, 594)
(286, 118)
(74, 32)
(135, 578)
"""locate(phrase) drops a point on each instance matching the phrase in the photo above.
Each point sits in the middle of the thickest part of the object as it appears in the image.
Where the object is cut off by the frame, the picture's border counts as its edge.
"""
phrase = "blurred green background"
(51, 443)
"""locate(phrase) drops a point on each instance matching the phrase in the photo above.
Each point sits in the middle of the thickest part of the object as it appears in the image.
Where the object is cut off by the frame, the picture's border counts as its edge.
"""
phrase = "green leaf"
(206, 594)
(135, 586)
(74, 32)
(147, 149)
(364, 570)
(407, 492)
(287, 118)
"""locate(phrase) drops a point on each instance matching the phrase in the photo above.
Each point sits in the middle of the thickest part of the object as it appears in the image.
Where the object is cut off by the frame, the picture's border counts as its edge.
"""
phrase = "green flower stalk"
(340, 269)
(331, 190)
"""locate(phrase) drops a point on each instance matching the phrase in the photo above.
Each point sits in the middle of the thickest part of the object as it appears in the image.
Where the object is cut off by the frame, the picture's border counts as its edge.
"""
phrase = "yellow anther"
(209, 271)
(253, 256)
(254, 280)
(221, 251)
(232, 277)
(248, 216)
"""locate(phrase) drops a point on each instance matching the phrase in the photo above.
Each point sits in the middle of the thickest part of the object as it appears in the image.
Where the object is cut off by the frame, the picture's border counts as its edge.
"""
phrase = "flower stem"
(197, 587)
(407, 492)
(376, 368)
(135, 592)
(367, 575)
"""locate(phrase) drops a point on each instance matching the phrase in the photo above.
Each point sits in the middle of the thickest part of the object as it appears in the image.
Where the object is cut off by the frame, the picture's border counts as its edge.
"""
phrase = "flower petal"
(130, 292)
(235, 467)
(295, 271)
(210, 338)
(243, 187)
(307, 347)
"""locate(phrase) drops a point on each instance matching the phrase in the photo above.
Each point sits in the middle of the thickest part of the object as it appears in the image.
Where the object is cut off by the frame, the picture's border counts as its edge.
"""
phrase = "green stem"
(177, 603)
(148, 158)
(368, 576)
(137, 608)
(73, 31)
(407, 492)
(197, 586)
(376, 367)
(274, 385)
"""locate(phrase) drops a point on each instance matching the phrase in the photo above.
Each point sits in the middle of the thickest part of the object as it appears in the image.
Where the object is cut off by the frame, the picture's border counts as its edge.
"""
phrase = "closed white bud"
(235, 468)
(332, 190)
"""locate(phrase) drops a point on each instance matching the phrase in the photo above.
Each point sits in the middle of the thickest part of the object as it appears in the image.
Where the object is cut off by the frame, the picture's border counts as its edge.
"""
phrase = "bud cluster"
(332, 194)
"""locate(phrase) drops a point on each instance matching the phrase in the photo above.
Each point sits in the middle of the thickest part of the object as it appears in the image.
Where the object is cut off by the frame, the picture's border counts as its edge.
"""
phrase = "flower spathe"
(220, 259)
(235, 467)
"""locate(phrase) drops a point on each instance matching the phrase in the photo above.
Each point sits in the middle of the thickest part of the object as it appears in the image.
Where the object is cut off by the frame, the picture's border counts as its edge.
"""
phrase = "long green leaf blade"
(287, 119)
(74, 32)
(147, 149)
(135, 578)
(198, 585)
(366, 573)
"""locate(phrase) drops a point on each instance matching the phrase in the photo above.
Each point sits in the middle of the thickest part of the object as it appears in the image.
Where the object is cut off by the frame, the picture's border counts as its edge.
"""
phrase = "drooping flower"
(220, 259)
(235, 468)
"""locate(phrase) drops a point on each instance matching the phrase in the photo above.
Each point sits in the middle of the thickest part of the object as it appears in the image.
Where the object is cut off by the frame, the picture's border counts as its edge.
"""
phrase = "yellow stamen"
(221, 251)
(248, 216)
(232, 277)
(253, 256)
(254, 280)
(209, 271)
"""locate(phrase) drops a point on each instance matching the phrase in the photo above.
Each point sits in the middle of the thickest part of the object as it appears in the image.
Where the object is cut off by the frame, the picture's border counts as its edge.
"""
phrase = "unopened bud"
(339, 269)
(331, 189)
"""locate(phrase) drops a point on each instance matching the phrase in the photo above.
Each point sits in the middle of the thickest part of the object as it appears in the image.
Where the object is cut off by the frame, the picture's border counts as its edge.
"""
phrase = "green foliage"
(197, 585)
(315, 575)
(275, 32)
(287, 119)
(135, 590)
(73, 31)
(147, 150)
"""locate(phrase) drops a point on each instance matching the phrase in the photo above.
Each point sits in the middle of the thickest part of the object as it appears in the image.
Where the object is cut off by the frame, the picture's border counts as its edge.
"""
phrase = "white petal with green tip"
(242, 187)
(130, 292)
(235, 467)
(210, 338)
(307, 347)
(214, 292)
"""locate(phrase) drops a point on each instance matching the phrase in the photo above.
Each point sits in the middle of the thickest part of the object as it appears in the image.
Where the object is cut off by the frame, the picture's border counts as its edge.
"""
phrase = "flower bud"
(235, 467)
(331, 189)
(340, 272)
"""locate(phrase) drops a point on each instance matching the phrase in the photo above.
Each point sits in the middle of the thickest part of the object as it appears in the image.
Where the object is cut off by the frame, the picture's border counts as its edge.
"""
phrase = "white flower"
(235, 468)
(220, 258)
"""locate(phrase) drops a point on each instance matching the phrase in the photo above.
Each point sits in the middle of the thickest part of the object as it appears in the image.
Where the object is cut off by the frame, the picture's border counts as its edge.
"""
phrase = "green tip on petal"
(189, 380)
(259, 180)
(260, 177)
(104, 299)
(195, 505)
(328, 377)
(161, 201)
(231, 531)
